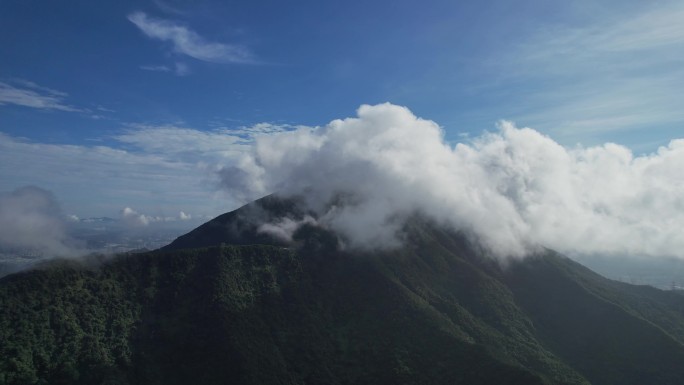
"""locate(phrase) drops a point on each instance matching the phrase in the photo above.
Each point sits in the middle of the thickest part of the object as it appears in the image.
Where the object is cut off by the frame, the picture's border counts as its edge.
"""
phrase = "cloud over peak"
(187, 42)
(513, 190)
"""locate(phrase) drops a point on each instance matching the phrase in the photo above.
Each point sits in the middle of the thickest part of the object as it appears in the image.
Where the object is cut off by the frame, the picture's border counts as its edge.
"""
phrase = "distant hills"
(663, 273)
(226, 303)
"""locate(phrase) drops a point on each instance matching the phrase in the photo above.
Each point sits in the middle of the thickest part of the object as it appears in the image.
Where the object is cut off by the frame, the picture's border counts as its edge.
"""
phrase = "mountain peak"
(242, 226)
(231, 302)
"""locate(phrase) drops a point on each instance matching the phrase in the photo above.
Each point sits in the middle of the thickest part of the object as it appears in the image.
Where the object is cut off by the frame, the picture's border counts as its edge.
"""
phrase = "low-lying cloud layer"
(514, 189)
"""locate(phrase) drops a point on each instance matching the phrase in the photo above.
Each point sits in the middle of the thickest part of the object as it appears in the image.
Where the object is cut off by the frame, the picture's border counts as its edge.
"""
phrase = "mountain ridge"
(225, 303)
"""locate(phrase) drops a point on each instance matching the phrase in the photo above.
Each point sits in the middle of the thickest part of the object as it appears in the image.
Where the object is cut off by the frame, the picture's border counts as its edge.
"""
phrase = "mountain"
(228, 304)
(240, 227)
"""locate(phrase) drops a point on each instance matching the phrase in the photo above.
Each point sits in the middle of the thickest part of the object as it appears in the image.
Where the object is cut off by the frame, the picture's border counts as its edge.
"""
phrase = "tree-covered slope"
(611, 332)
(240, 227)
(247, 314)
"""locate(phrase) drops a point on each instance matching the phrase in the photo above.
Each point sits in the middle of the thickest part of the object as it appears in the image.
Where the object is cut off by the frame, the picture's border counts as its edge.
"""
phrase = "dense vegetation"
(436, 311)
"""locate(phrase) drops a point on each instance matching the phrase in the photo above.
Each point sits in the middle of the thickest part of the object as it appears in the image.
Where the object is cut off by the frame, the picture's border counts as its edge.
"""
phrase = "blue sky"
(135, 104)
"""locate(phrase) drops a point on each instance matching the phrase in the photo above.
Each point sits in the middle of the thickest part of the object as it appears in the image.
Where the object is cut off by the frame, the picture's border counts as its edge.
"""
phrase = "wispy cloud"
(154, 168)
(183, 143)
(187, 42)
(156, 68)
(188, 143)
(180, 69)
(602, 106)
(643, 30)
(620, 72)
(114, 177)
(28, 94)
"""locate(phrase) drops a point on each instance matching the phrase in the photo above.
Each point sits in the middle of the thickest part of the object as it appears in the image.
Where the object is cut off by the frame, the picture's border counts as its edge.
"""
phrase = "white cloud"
(188, 42)
(262, 128)
(131, 217)
(285, 228)
(31, 221)
(29, 94)
(175, 140)
(219, 146)
(512, 190)
(161, 169)
(94, 180)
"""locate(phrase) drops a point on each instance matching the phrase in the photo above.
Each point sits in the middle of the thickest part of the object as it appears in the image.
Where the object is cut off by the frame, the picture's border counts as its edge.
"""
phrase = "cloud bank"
(513, 190)
(32, 221)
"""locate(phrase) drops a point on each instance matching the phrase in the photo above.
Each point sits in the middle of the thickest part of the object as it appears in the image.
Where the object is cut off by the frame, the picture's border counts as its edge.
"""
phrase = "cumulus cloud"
(133, 218)
(188, 42)
(31, 221)
(512, 190)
